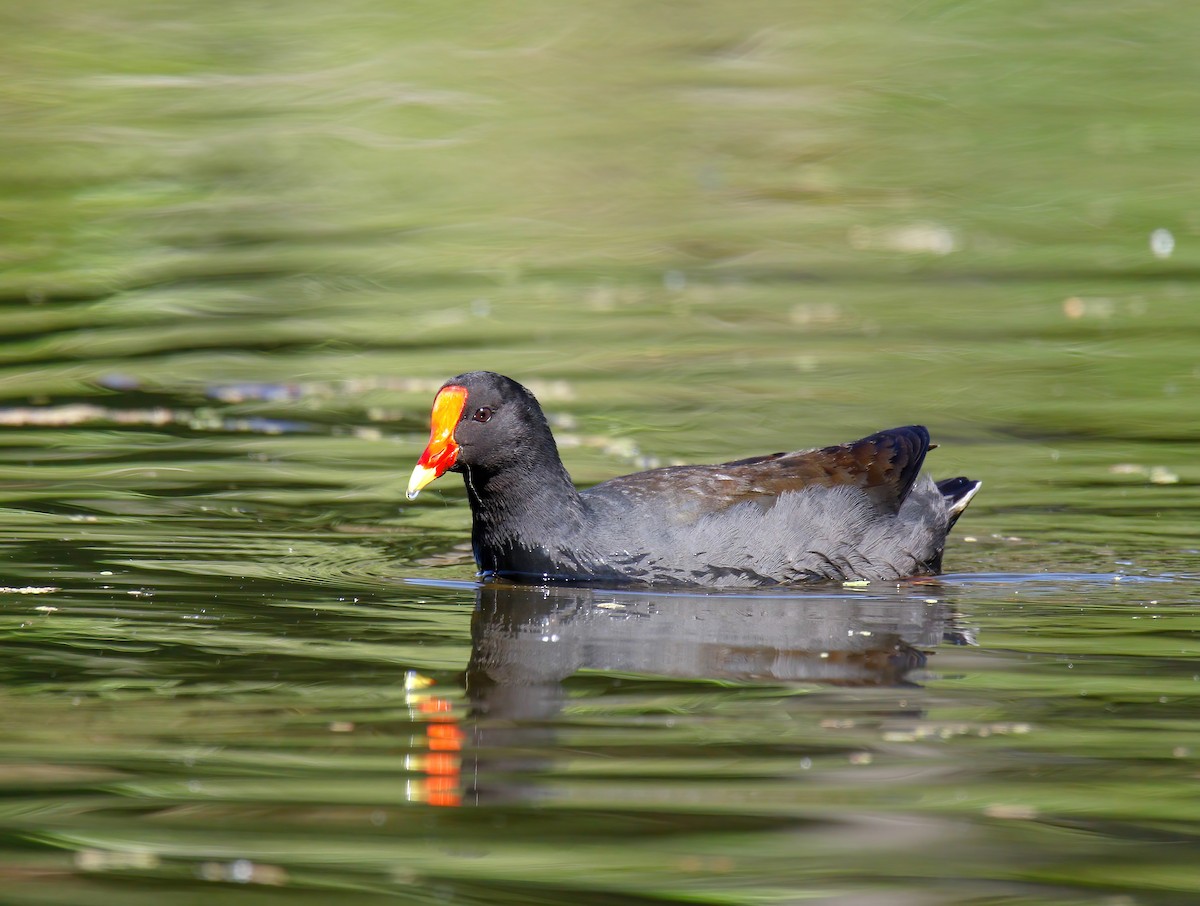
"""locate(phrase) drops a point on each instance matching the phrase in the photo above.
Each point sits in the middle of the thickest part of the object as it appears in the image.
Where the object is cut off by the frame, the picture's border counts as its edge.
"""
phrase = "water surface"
(240, 251)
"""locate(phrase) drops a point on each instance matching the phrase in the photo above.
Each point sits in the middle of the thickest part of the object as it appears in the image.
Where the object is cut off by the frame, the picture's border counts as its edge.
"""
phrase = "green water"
(240, 247)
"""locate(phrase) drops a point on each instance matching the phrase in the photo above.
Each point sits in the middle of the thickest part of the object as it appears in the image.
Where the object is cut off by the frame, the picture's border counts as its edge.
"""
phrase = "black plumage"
(856, 511)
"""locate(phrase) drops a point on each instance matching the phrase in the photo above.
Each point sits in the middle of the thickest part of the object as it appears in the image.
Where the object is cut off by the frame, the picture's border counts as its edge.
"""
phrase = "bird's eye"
(482, 414)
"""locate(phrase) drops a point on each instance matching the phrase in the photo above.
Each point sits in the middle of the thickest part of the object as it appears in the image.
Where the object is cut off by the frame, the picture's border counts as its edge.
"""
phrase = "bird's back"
(852, 511)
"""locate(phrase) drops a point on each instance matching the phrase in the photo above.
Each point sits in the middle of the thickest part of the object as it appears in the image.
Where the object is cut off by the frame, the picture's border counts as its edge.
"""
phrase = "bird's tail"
(958, 493)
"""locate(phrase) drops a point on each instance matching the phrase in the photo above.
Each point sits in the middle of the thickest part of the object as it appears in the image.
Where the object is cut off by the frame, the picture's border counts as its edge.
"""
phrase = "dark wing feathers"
(884, 466)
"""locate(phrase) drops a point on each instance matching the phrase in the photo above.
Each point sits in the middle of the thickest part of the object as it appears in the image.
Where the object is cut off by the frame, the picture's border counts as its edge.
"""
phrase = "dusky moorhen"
(856, 511)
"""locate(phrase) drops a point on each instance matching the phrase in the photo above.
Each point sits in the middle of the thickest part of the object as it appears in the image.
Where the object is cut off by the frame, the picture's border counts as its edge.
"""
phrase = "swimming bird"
(858, 511)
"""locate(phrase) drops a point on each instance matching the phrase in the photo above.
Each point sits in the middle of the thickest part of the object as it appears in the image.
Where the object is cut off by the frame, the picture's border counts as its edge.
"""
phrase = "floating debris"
(243, 871)
(1011, 812)
(199, 420)
(1154, 474)
(103, 860)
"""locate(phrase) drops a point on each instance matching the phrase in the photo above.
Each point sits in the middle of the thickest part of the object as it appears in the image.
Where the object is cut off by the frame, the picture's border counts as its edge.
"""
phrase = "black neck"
(521, 515)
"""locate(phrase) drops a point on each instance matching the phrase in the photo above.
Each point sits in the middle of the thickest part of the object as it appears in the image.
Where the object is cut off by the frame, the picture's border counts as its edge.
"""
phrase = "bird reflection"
(526, 641)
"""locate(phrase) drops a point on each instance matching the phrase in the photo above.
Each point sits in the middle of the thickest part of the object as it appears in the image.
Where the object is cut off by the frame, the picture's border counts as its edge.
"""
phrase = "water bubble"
(1162, 243)
(241, 871)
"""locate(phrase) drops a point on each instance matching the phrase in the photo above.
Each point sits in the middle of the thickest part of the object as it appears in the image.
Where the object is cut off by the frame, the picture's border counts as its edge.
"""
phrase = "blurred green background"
(719, 228)
(242, 245)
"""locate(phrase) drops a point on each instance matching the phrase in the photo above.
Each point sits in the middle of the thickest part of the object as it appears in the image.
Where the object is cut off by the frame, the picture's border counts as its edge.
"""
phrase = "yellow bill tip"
(421, 476)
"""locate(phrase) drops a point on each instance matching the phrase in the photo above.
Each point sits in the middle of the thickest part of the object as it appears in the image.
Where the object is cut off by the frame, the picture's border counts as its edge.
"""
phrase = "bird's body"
(856, 511)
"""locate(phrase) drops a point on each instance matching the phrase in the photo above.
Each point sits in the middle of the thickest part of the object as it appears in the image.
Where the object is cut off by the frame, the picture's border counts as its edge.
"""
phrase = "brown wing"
(884, 465)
